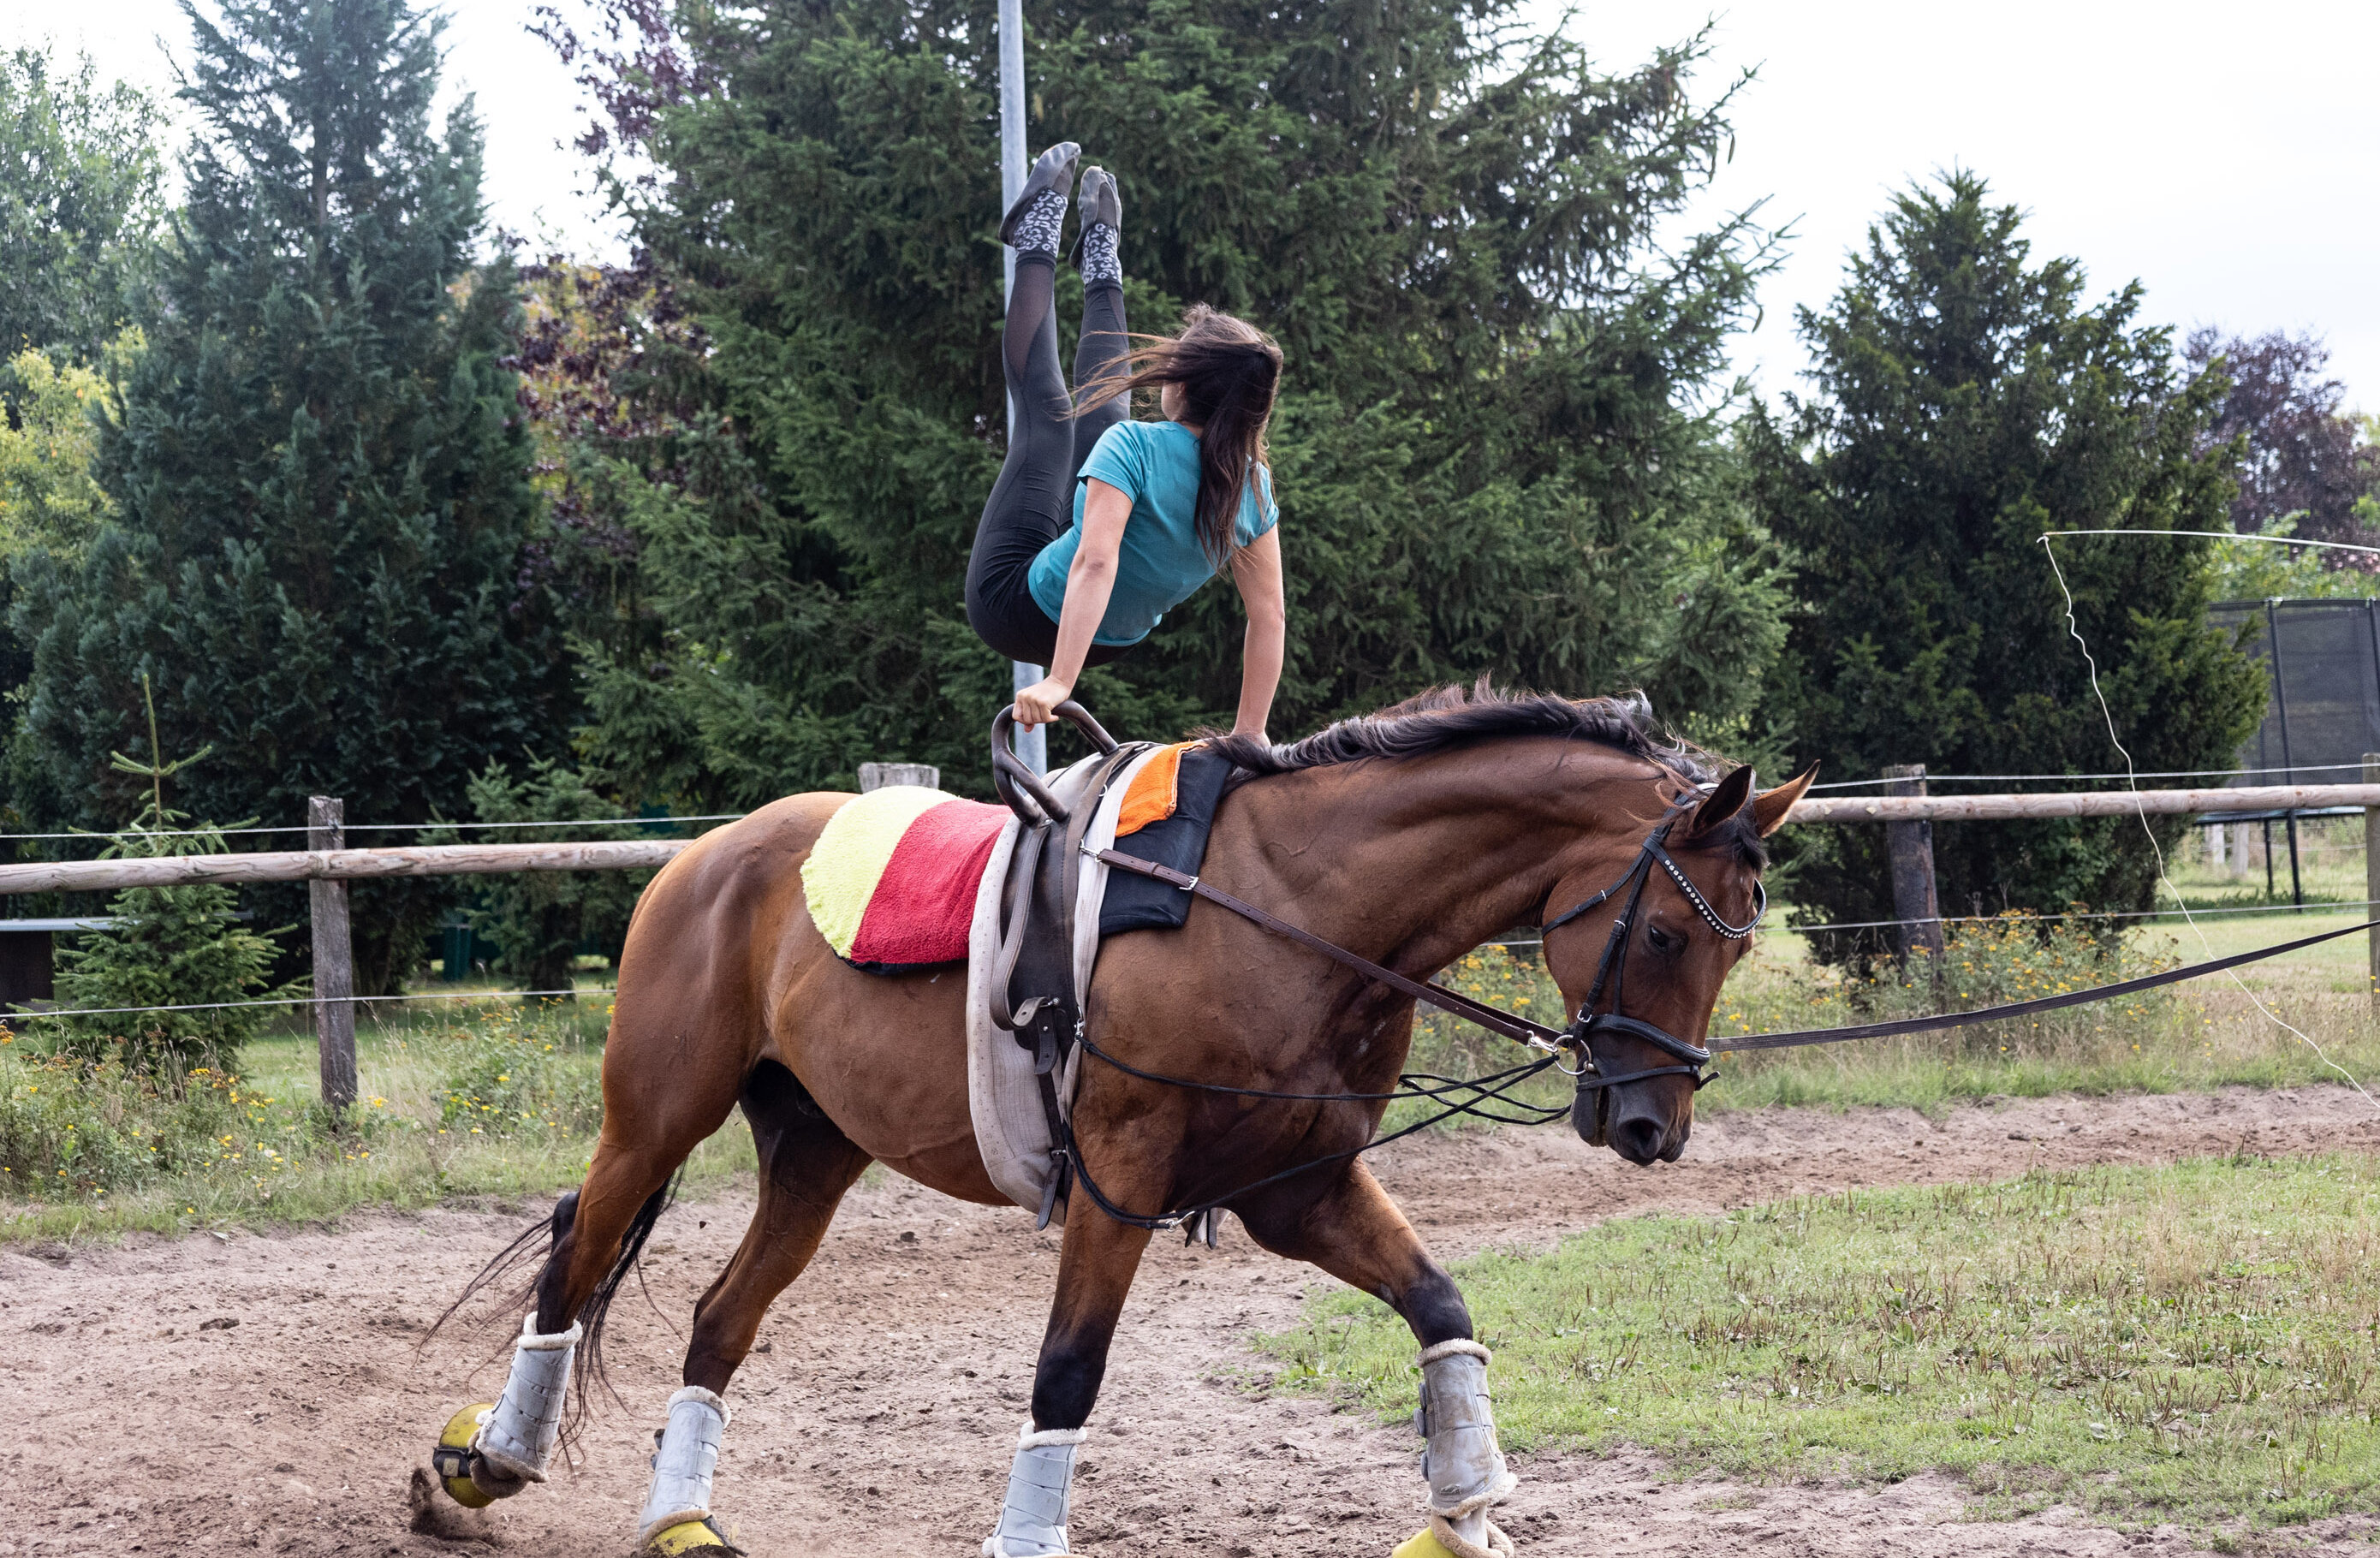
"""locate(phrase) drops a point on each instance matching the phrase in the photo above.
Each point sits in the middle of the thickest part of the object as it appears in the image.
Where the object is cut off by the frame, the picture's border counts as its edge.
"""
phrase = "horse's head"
(1648, 954)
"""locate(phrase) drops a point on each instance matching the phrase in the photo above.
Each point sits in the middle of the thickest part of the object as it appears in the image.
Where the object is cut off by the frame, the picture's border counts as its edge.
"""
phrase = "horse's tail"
(510, 1281)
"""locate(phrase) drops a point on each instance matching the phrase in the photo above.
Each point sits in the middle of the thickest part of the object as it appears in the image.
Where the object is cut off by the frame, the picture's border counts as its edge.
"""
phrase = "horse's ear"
(1770, 807)
(1729, 797)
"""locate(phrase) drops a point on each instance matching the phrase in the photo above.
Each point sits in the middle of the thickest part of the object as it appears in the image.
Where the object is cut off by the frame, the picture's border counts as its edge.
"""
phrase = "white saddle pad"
(1011, 1129)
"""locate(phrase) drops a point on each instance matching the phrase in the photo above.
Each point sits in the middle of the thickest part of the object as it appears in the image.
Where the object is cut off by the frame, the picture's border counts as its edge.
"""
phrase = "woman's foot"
(1102, 210)
(1034, 222)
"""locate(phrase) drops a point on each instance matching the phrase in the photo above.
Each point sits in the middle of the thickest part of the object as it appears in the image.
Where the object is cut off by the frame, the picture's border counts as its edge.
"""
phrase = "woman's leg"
(1103, 347)
(1031, 503)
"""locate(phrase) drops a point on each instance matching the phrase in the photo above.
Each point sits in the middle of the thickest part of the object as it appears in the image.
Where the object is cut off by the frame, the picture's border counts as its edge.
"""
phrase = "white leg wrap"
(517, 1435)
(1464, 1466)
(1033, 1515)
(682, 1464)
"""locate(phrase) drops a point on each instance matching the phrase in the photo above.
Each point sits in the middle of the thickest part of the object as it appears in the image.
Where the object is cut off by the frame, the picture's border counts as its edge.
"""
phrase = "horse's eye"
(1662, 942)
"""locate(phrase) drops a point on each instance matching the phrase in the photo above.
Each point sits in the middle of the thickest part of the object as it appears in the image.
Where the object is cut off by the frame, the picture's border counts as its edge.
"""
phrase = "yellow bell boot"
(701, 1535)
(1425, 1544)
(452, 1459)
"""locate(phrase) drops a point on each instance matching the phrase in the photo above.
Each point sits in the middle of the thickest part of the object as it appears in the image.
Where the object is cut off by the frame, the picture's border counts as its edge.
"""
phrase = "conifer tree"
(181, 952)
(321, 487)
(1493, 453)
(1969, 400)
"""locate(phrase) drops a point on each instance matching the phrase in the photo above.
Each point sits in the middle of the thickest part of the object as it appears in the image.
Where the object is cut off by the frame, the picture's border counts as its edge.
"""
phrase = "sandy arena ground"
(263, 1392)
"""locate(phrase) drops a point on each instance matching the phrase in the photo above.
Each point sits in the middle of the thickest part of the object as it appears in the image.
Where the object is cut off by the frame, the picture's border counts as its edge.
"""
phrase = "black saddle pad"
(1141, 902)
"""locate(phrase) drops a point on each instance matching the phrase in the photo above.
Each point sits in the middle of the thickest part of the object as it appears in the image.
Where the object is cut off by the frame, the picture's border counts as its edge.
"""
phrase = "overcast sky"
(2224, 155)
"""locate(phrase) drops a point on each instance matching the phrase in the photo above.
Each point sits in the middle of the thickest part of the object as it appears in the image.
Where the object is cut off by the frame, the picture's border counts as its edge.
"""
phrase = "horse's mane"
(1445, 717)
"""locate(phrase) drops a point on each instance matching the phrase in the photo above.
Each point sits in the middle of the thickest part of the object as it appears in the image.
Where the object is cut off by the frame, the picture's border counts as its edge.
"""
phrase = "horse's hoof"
(701, 1535)
(454, 1462)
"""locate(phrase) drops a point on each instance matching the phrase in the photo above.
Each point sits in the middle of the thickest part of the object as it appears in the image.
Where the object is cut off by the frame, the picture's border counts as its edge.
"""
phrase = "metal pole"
(1032, 744)
(2372, 870)
(2289, 763)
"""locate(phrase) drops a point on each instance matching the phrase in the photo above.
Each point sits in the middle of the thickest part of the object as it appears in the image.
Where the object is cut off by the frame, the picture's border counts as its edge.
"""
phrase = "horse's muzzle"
(1638, 1133)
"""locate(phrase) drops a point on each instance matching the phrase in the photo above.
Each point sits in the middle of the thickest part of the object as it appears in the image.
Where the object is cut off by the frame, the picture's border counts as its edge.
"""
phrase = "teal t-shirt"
(1155, 465)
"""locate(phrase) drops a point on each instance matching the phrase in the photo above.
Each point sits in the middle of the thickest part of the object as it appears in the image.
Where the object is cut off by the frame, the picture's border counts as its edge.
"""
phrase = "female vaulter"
(1098, 524)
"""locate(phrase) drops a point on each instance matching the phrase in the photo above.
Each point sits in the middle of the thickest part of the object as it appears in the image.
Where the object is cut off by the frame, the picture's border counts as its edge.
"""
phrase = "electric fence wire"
(30, 1013)
(2109, 714)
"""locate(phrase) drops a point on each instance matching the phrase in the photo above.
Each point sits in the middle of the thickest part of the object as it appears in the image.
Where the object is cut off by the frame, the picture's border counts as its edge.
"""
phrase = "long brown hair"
(1229, 371)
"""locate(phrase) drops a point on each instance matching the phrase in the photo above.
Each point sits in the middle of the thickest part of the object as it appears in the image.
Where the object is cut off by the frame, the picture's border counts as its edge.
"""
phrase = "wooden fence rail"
(2088, 803)
(335, 865)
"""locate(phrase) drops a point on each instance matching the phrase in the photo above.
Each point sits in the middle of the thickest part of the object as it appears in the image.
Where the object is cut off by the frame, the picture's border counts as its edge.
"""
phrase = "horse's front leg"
(1094, 1270)
(1352, 1231)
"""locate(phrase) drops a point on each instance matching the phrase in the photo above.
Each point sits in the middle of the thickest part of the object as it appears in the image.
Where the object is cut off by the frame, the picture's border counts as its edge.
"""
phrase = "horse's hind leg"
(1352, 1231)
(648, 1130)
(806, 1165)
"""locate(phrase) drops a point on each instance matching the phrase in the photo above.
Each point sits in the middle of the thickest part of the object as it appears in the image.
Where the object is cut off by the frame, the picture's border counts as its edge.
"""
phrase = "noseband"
(1612, 973)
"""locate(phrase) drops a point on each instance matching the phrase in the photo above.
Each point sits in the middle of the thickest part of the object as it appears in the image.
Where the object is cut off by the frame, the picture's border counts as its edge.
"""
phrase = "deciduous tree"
(2302, 455)
(79, 177)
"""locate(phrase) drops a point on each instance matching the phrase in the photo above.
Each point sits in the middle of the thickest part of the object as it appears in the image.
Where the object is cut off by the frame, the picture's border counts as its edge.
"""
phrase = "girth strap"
(1033, 993)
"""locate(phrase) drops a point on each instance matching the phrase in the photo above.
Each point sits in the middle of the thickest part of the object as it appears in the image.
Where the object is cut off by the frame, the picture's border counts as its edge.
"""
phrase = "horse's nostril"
(1638, 1138)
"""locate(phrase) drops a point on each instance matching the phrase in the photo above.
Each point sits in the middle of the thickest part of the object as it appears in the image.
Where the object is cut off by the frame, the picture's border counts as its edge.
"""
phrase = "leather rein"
(1579, 1036)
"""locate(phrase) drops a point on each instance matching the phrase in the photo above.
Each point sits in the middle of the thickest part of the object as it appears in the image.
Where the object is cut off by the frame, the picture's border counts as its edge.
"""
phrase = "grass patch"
(497, 1101)
(2191, 1343)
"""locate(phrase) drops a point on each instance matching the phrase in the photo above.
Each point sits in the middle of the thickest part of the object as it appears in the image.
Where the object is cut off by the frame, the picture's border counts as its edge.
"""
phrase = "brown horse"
(1408, 837)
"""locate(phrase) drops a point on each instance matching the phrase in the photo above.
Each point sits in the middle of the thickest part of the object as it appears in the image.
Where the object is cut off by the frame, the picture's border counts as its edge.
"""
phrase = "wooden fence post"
(876, 775)
(334, 965)
(2372, 870)
(1910, 847)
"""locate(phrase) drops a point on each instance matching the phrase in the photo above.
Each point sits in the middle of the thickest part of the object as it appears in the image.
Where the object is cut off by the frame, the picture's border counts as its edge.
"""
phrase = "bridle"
(1612, 973)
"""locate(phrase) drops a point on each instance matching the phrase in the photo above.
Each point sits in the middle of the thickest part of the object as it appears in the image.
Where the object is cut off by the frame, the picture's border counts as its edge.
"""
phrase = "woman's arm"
(1089, 581)
(1256, 569)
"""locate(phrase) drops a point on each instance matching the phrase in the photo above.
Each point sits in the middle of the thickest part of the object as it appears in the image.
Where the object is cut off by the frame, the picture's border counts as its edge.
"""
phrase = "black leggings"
(1033, 502)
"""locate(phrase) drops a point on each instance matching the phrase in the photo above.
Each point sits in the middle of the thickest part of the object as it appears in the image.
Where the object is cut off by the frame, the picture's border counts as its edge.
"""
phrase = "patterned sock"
(1038, 229)
(1099, 261)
